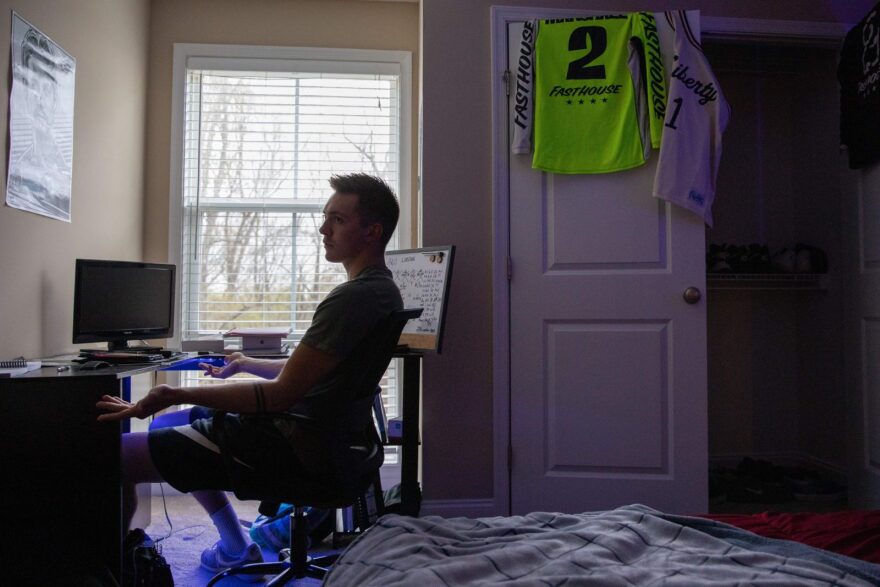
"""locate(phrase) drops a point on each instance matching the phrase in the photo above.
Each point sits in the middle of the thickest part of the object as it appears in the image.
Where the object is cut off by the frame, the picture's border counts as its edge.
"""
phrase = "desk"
(60, 500)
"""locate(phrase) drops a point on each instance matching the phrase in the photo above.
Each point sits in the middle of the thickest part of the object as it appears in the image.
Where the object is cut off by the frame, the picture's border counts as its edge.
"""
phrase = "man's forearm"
(247, 397)
(265, 368)
(305, 367)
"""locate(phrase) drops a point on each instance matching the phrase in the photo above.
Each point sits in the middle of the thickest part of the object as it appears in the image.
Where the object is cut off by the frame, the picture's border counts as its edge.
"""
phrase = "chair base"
(315, 568)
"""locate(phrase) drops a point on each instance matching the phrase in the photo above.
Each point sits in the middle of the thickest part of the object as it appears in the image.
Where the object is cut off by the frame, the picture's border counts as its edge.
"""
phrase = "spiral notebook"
(18, 366)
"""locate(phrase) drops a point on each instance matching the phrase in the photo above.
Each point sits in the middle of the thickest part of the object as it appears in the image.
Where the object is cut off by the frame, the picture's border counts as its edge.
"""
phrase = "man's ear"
(374, 231)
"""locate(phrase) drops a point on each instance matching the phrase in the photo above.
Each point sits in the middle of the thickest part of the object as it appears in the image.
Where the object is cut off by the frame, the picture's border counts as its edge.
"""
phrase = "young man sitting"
(259, 444)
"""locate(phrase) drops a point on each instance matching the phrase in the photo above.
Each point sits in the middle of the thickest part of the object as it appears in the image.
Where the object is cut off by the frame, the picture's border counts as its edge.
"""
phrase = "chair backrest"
(353, 476)
(381, 350)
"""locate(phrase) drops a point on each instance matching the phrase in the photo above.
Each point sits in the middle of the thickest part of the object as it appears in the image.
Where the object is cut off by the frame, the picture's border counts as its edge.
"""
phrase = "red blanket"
(852, 533)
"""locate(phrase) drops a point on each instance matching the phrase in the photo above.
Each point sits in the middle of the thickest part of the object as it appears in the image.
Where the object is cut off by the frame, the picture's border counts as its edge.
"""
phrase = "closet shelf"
(766, 281)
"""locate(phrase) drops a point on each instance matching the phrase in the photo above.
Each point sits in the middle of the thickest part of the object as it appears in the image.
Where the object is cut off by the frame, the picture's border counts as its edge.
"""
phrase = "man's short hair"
(376, 201)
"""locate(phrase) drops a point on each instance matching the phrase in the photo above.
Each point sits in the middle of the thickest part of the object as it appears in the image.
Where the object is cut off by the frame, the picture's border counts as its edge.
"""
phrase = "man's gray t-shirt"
(320, 431)
(345, 322)
(352, 310)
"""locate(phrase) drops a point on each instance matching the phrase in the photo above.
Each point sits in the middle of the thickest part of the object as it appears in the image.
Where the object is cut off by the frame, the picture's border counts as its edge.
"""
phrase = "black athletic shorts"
(192, 457)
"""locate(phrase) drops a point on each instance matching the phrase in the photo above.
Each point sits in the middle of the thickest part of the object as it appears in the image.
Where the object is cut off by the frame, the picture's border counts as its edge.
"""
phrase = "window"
(257, 133)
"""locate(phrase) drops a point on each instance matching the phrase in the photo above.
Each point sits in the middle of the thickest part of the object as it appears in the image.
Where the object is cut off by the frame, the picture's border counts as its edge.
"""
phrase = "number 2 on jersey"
(577, 41)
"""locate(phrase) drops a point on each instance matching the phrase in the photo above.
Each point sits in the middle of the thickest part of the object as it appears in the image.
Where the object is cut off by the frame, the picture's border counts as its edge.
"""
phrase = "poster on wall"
(40, 167)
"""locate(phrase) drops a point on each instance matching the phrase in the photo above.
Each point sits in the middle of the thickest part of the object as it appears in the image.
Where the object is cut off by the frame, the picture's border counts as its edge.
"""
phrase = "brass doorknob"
(692, 295)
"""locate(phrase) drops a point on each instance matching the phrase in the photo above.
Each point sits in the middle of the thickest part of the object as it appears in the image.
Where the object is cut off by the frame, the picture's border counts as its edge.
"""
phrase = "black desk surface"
(51, 365)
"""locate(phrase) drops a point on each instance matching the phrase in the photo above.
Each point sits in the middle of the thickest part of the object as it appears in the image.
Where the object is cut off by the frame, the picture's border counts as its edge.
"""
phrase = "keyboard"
(149, 350)
(119, 358)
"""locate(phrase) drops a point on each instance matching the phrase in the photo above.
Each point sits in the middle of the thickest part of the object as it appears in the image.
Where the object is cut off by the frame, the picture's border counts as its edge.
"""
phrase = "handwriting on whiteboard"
(421, 278)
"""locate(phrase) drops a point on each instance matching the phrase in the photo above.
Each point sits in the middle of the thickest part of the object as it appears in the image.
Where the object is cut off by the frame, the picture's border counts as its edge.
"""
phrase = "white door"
(607, 360)
(864, 404)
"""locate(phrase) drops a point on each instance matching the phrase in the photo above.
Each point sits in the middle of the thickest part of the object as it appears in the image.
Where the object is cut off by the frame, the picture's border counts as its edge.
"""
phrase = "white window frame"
(303, 59)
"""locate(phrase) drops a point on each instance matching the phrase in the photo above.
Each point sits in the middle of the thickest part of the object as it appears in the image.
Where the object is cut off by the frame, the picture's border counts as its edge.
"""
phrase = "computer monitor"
(118, 301)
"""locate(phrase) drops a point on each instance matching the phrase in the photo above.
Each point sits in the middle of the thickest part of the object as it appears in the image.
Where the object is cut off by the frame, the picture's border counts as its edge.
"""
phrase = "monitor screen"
(117, 301)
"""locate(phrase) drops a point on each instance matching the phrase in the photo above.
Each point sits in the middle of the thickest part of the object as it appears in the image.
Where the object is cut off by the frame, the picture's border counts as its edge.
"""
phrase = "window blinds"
(259, 147)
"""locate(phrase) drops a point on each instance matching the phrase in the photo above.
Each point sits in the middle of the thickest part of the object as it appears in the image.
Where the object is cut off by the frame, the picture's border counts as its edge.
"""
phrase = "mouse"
(93, 365)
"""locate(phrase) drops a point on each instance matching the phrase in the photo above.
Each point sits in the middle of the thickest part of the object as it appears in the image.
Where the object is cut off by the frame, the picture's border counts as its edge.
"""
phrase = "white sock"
(232, 537)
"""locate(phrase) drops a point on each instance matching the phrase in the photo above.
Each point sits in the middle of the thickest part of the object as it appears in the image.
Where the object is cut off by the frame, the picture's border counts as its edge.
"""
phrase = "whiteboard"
(423, 277)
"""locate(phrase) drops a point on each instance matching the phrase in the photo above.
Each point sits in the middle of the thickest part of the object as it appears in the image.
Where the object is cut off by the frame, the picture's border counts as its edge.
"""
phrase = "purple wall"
(456, 191)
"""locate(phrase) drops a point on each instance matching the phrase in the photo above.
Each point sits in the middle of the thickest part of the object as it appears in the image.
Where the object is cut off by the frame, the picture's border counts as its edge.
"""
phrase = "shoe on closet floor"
(716, 259)
(784, 261)
(811, 259)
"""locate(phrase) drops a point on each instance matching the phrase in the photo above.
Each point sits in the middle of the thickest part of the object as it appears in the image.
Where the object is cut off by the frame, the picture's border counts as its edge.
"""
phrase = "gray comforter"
(632, 545)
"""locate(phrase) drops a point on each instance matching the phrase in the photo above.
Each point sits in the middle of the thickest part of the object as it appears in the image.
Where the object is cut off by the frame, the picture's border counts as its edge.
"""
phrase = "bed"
(854, 533)
(630, 545)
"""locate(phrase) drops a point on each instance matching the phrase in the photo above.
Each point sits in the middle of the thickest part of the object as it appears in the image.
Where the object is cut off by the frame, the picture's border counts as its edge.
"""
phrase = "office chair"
(364, 495)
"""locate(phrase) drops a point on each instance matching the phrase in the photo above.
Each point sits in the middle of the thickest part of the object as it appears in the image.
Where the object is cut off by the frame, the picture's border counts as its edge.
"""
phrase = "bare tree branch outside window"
(264, 147)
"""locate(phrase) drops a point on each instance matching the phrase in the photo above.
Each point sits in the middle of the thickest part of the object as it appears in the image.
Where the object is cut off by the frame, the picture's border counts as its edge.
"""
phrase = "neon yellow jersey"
(600, 93)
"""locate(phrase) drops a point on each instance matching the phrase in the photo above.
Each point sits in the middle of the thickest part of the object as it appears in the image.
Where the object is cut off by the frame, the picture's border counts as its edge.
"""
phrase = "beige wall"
(456, 192)
(301, 23)
(120, 190)
(109, 40)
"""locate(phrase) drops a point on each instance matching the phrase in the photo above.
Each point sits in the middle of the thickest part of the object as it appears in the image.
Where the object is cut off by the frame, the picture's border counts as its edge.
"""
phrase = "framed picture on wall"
(40, 168)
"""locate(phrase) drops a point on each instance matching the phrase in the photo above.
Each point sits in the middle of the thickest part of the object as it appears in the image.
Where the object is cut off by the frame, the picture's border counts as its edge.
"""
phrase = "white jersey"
(696, 116)
(522, 82)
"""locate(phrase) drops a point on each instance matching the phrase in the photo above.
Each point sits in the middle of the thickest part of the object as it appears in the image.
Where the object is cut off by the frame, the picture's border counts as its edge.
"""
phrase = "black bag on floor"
(142, 565)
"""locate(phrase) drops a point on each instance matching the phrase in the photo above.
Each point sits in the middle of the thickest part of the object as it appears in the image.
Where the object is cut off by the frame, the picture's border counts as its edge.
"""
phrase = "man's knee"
(137, 462)
(171, 419)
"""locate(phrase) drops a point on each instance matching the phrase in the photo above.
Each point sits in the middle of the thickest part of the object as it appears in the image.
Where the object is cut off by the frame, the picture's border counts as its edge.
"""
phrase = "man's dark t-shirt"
(345, 321)
(324, 438)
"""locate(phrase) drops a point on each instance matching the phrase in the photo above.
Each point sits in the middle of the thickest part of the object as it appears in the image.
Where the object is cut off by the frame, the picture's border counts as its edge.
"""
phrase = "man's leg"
(137, 463)
(138, 467)
(215, 503)
(171, 419)
(232, 537)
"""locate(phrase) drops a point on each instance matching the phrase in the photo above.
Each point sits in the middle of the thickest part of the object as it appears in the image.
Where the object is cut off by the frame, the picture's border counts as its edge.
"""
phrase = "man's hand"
(232, 366)
(157, 399)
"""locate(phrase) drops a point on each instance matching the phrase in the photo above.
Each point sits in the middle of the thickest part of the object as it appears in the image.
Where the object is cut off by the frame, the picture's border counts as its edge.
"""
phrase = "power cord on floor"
(171, 531)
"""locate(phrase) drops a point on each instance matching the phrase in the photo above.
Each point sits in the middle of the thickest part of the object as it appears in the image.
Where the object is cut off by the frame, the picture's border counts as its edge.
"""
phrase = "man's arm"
(305, 367)
(235, 363)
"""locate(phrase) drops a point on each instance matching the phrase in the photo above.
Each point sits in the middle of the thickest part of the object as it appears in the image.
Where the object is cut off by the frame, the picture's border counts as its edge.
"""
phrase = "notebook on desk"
(18, 366)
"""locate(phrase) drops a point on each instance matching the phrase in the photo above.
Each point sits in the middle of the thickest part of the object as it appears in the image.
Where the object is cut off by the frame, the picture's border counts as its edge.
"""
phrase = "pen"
(62, 368)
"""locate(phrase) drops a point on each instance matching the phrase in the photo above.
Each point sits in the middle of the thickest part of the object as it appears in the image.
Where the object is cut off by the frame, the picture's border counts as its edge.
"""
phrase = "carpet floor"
(190, 532)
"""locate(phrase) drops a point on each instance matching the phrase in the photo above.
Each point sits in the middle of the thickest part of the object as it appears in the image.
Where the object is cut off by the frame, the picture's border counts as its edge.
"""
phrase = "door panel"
(577, 238)
(608, 363)
(582, 395)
